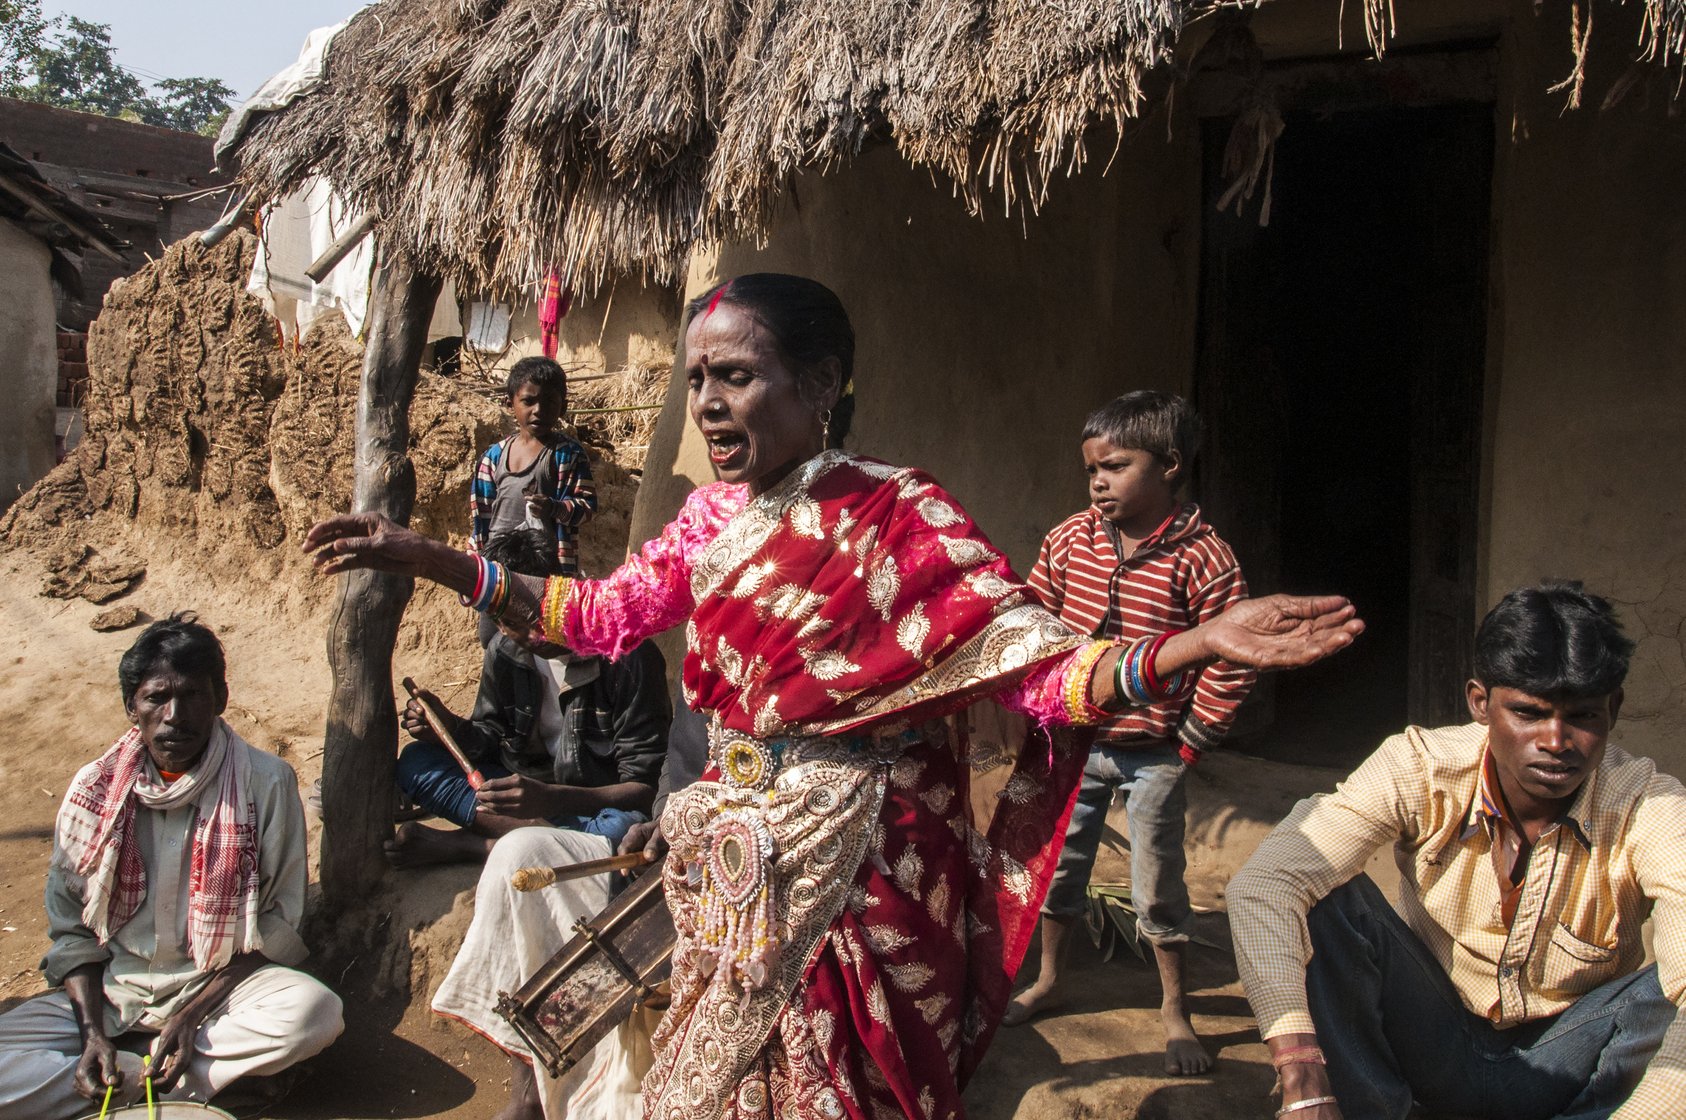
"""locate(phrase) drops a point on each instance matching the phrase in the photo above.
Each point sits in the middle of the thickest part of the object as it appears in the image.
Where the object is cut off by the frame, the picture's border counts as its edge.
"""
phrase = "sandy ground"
(1099, 1056)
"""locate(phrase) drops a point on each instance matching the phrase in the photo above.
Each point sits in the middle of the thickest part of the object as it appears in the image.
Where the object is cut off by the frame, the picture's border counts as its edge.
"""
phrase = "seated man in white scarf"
(174, 900)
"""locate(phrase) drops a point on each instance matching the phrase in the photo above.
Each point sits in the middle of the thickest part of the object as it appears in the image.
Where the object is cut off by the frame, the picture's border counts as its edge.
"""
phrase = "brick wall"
(73, 368)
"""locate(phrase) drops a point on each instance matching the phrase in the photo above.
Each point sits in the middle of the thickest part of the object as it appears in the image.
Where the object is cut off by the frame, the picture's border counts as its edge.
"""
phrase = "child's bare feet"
(1044, 995)
(1184, 1056)
(416, 845)
(1033, 1001)
(1183, 1053)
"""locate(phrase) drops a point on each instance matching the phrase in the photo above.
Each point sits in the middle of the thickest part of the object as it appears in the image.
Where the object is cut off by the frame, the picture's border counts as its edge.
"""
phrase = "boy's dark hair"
(525, 551)
(1158, 423)
(807, 321)
(178, 642)
(1555, 641)
(542, 372)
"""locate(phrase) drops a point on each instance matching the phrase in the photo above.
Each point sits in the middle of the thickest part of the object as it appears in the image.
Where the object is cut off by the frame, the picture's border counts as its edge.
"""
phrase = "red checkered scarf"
(95, 841)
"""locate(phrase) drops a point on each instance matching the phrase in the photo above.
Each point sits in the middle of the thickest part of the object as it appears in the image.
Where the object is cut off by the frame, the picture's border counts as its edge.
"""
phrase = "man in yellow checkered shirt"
(1509, 981)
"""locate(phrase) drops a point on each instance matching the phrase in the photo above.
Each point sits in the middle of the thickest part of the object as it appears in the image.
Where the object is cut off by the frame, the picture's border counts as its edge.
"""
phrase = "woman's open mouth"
(726, 448)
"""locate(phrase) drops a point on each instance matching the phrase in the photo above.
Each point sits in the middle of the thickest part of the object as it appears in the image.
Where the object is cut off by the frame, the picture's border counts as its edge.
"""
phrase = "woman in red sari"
(851, 900)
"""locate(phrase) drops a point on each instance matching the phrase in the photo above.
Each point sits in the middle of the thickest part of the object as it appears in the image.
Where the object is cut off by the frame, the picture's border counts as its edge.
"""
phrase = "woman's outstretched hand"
(367, 540)
(376, 542)
(1282, 631)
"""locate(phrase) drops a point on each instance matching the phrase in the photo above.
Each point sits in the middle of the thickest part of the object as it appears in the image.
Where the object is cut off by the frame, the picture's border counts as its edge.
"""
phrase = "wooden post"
(341, 248)
(361, 742)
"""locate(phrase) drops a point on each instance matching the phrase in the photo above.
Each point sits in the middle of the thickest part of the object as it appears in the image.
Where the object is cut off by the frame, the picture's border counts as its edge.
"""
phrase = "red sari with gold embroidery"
(841, 628)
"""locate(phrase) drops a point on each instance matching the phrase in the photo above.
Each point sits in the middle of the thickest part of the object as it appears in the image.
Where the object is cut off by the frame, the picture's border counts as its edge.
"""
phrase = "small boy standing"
(537, 478)
(1139, 562)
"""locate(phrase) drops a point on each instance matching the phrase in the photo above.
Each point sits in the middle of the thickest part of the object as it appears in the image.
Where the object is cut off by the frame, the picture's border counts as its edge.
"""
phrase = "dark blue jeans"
(432, 779)
(1393, 1029)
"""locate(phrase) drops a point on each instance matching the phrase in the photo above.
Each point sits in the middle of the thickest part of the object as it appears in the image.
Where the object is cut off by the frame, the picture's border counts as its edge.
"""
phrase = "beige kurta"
(148, 972)
(270, 1020)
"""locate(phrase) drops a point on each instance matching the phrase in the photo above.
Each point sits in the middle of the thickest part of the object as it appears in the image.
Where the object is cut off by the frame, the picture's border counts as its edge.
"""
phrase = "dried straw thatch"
(499, 138)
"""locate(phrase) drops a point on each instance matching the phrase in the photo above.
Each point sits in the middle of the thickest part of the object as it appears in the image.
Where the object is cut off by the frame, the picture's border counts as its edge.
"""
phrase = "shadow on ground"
(393, 1060)
(1101, 1053)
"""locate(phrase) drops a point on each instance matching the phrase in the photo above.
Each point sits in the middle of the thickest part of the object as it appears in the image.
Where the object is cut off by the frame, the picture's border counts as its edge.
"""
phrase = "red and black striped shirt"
(1182, 575)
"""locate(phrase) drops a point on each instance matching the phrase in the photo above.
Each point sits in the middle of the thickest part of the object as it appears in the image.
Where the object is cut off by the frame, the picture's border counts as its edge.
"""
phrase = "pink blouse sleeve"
(651, 592)
(1040, 696)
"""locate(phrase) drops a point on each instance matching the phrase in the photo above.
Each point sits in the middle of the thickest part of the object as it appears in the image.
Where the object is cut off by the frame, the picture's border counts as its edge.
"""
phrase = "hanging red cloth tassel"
(554, 301)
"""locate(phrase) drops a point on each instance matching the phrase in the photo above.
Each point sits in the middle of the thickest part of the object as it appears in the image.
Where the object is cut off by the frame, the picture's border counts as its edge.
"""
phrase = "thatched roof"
(499, 138)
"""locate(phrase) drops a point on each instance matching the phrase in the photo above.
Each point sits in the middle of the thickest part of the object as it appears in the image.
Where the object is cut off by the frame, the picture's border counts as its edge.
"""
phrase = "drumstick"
(533, 878)
(437, 722)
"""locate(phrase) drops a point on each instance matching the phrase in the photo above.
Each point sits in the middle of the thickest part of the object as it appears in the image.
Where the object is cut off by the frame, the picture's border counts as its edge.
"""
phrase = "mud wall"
(210, 447)
(28, 362)
(1588, 407)
(628, 324)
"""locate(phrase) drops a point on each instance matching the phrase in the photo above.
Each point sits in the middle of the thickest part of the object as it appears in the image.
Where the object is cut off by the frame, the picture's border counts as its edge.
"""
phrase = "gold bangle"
(1301, 1106)
(556, 590)
(1077, 707)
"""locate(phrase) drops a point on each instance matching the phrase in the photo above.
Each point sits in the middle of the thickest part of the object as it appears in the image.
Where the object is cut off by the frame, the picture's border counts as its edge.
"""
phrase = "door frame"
(1437, 74)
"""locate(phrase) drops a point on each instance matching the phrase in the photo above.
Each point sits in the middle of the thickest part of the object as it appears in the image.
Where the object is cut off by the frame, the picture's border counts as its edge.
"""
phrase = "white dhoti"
(273, 1019)
(512, 936)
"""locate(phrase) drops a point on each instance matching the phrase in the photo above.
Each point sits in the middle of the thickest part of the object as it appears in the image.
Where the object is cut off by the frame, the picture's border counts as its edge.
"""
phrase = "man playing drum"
(515, 933)
(174, 899)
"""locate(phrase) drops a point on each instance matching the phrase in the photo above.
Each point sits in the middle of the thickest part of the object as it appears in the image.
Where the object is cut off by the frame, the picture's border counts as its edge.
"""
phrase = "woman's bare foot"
(524, 1103)
(416, 845)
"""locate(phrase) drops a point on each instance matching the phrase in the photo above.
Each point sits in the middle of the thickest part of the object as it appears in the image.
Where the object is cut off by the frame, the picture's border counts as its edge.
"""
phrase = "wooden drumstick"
(533, 878)
(436, 721)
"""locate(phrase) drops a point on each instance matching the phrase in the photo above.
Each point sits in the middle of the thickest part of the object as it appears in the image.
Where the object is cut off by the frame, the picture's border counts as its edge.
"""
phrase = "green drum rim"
(138, 1110)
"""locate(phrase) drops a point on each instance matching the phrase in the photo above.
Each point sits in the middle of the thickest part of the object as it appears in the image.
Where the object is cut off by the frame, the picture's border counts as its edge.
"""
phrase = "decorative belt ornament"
(749, 763)
(738, 935)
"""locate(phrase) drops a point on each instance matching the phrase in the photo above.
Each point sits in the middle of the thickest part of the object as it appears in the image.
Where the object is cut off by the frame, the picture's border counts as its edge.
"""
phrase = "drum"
(164, 1110)
(616, 961)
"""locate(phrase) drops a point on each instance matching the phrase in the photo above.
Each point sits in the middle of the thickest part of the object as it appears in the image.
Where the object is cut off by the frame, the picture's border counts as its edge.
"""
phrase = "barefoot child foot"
(1183, 1053)
(1044, 994)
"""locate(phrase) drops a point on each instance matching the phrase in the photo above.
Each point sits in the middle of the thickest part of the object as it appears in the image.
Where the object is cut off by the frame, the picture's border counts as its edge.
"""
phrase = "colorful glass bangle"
(505, 583)
(1150, 674)
(1121, 675)
(483, 577)
(1138, 673)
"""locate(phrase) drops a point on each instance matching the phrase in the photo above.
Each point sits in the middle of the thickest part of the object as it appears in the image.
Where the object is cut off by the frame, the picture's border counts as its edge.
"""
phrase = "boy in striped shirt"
(1138, 562)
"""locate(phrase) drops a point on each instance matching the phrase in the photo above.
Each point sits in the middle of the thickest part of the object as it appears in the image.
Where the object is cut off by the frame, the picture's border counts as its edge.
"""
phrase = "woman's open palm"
(1284, 631)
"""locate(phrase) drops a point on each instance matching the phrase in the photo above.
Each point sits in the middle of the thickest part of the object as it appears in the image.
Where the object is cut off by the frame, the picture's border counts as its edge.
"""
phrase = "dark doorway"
(1340, 373)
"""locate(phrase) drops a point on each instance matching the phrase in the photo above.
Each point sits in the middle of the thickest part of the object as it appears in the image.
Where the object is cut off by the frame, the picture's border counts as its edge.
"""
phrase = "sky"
(241, 42)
